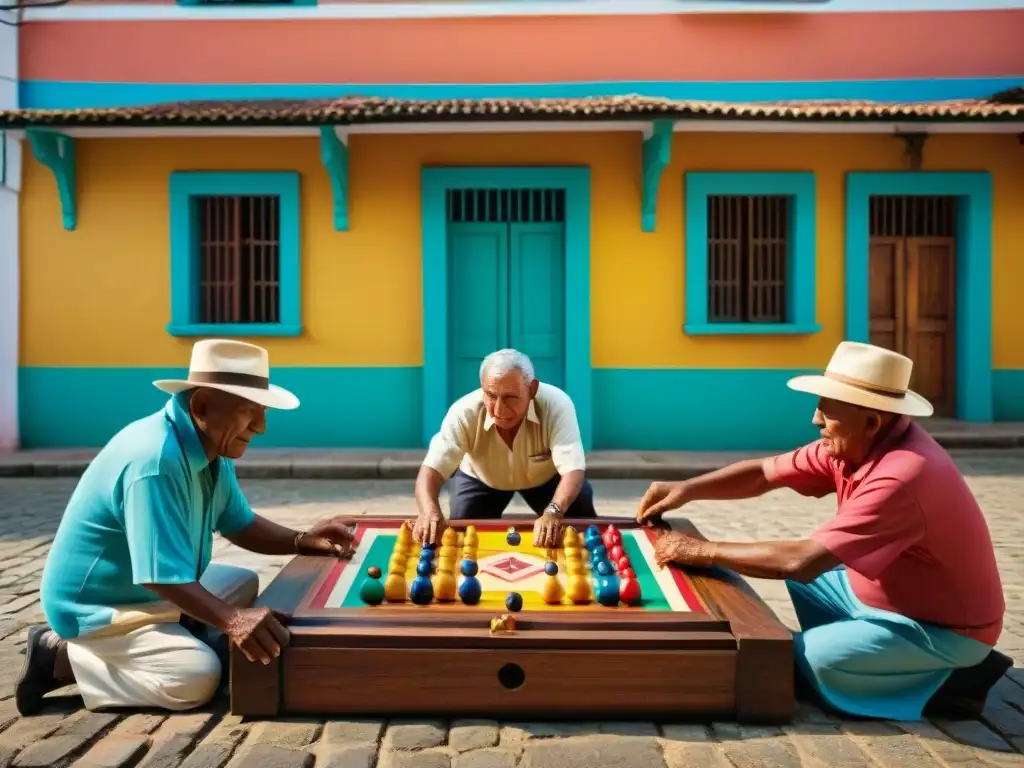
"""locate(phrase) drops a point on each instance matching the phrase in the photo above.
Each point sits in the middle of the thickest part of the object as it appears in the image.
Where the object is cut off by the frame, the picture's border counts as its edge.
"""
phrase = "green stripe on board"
(653, 598)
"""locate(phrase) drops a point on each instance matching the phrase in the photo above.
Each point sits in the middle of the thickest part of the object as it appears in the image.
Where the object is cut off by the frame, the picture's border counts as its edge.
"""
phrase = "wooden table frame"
(734, 661)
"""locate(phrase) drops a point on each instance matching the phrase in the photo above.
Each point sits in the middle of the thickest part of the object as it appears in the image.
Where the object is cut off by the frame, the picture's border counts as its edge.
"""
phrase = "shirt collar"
(176, 412)
(531, 415)
(895, 434)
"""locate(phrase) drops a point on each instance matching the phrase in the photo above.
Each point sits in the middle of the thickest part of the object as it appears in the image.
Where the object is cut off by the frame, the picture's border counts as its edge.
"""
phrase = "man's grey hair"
(506, 360)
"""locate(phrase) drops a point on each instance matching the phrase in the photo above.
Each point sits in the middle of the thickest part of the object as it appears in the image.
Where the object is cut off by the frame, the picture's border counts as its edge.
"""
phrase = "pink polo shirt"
(908, 529)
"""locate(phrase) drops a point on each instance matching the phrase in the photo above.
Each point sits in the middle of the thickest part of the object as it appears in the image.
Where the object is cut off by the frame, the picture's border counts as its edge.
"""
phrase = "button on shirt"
(908, 529)
(548, 442)
(144, 512)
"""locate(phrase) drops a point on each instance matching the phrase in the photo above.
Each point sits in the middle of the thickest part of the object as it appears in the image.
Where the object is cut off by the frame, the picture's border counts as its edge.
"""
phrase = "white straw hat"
(869, 376)
(232, 366)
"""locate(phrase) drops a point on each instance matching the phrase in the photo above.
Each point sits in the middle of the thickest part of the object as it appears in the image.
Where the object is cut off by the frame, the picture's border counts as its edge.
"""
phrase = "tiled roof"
(1006, 106)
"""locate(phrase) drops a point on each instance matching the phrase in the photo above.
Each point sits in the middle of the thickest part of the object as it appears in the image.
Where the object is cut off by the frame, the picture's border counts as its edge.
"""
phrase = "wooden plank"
(886, 292)
(557, 684)
(931, 326)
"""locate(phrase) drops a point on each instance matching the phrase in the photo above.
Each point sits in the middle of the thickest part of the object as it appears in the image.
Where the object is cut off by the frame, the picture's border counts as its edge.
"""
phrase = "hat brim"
(911, 404)
(272, 397)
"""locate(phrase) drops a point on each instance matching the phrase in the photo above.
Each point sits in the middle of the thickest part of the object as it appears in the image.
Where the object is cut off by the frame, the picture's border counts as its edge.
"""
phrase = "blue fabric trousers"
(868, 662)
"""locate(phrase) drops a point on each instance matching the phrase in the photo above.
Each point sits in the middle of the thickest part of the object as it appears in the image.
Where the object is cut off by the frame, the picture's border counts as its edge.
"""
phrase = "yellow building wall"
(99, 296)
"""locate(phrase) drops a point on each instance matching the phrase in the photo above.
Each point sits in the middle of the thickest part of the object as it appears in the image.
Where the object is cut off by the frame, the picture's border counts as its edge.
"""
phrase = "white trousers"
(147, 659)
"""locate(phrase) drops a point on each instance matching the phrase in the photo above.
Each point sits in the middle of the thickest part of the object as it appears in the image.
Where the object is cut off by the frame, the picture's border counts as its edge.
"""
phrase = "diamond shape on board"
(509, 567)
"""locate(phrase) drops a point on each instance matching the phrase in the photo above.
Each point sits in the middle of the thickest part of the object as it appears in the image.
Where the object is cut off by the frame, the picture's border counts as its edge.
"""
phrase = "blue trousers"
(868, 662)
(470, 499)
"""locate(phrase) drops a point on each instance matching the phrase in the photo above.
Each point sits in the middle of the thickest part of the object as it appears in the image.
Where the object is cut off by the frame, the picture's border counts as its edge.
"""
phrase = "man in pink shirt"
(898, 596)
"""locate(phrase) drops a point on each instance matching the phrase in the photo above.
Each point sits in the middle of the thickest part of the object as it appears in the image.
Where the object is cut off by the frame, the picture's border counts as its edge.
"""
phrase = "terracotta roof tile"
(1008, 105)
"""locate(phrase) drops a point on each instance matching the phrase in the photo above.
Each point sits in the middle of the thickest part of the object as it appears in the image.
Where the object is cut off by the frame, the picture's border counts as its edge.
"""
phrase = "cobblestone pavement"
(67, 735)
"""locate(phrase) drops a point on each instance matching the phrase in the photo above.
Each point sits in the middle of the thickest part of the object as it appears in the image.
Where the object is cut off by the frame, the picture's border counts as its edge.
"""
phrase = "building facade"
(672, 206)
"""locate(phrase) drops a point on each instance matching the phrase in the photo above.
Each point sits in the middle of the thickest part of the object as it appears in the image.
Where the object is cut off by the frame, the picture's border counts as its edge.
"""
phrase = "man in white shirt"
(514, 434)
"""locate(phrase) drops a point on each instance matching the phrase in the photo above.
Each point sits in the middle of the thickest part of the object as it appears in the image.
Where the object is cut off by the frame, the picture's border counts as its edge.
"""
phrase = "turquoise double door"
(507, 289)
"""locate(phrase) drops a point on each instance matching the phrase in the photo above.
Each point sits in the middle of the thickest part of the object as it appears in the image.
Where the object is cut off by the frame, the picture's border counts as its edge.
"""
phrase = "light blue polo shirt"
(144, 512)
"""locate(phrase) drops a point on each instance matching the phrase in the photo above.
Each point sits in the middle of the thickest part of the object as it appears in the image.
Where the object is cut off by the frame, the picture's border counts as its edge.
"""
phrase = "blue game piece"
(372, 591)
(426, 554)
(424, 568)
(606, 591)
(470, 589)
(550, 568)
(513, 538)
(422, 591)
(469, 568)
(593, 531)
(604, 568)
(598, 553)
(430, 545)
(514, 602)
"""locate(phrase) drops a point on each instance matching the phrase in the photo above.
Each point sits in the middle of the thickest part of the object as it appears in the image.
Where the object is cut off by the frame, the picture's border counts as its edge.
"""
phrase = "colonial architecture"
(672, 206)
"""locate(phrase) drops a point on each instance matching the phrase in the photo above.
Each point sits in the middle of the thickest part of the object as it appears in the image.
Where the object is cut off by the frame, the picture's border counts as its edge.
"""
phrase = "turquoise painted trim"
(657, 151)
(700, 409)
(187, 185)
(61, 94)
(802, 258)
(57, 152)
(387, 414)
(1008, 394)
(973, 271)
(242, 3)
(576, 183)
(334, 156)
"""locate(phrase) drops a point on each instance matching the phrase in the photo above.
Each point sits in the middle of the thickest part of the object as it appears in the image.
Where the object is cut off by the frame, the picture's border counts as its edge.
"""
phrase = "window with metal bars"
(912, 216)
(506, 206)
(748, 253)
(239, 258)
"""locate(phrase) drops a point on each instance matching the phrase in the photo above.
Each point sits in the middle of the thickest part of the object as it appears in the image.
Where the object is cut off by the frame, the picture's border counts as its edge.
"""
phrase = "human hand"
(258, 632)
(429, 526)
(659, 499)
(328, 537)
(546, 530)
(683, 549)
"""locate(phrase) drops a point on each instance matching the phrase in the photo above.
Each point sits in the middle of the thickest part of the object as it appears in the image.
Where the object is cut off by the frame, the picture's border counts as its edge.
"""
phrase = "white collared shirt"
(548, 442)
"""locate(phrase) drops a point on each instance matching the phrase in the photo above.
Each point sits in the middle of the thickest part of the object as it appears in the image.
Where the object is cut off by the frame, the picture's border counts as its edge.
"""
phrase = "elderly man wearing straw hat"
(133, 603)
(898, 596)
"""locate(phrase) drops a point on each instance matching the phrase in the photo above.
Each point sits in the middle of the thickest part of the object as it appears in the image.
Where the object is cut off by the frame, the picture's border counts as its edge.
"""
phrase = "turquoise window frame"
(185, 186)
(973, 191)
(801, 281)
(435, 183)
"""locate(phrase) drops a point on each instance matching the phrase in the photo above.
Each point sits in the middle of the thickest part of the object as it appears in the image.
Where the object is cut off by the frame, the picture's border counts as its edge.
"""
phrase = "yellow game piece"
(447, 551)
(398, 568)
(446, 564)
(578, 589)
(569, 537)
(574, 568)
(394, 588)
(469, 553)
(571, 553)
(449, 537)
(444, 586)
(471, 539)
(404, 533)
(504, 623)
(552, 591)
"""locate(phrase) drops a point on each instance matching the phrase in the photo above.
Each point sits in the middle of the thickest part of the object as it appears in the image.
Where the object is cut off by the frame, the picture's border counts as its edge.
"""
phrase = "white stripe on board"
(353, 569)
(661, 575)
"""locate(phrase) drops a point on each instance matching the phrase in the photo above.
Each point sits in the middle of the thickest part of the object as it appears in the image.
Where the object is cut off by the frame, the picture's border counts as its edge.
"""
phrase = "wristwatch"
(553, 509)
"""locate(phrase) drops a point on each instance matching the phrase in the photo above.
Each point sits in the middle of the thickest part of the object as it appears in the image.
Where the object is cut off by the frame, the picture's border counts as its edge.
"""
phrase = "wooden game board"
(699, 643)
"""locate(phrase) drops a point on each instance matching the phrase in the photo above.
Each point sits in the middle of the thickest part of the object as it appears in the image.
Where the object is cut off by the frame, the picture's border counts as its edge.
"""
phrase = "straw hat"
(869, 376)
(232, 366)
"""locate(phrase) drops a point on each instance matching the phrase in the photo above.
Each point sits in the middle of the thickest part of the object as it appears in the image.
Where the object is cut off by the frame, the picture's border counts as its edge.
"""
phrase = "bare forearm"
(799, 560)
(196, 601)
(265, 537)
(742, 480)
(428, 490)
(568, 489)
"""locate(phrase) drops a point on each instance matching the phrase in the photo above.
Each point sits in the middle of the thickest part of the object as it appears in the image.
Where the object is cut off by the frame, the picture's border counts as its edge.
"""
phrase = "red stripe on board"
(681, 579)
(320, 598)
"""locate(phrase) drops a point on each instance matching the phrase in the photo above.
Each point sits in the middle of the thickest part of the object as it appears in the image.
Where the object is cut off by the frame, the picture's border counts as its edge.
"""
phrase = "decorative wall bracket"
(913, 149)
(656, 154)
(334, 156)
(57, 152)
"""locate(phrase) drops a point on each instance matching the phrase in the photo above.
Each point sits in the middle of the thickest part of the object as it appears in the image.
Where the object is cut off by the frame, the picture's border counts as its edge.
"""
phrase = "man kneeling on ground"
(898, 596)
(132, 600)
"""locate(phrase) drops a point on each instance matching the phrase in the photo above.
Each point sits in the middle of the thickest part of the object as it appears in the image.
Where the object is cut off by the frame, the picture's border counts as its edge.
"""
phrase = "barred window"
(239, 258)
(748, 248)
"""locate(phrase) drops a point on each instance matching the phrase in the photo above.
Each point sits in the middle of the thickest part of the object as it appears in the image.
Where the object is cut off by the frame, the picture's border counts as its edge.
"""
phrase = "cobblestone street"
(30, 509)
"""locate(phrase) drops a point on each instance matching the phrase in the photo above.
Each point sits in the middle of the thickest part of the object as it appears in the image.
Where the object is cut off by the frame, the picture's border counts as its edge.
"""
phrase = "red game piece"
(622, 564)
(615, 553)
(628, 573)
(629, 591)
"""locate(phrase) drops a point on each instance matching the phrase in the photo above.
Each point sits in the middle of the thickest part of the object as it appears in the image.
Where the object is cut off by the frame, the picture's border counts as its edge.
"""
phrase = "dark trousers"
(469, 499)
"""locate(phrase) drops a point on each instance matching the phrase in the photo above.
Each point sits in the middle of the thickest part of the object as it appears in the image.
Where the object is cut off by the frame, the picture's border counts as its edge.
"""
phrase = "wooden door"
(537, 297)
(912, 300)
(477, 300)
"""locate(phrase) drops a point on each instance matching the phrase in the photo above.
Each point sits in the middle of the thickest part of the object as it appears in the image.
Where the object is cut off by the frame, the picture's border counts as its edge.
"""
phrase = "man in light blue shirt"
(128, 588)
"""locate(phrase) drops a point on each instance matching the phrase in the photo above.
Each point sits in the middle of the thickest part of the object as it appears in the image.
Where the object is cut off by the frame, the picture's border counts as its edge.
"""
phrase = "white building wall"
(10, 185)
